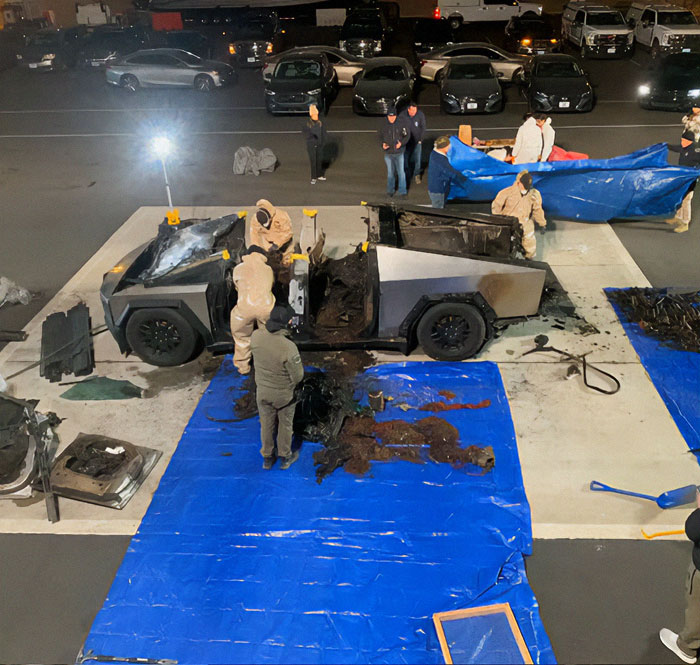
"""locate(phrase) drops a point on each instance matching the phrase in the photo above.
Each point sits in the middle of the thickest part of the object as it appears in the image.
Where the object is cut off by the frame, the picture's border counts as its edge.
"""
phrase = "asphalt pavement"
(74, 166)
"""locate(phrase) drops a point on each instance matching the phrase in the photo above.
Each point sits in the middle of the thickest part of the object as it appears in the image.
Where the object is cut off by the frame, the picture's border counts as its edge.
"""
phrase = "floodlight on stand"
(162, 146)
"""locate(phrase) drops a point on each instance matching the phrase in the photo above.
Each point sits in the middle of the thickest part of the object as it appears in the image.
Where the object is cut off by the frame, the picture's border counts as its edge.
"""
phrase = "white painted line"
(170, 109)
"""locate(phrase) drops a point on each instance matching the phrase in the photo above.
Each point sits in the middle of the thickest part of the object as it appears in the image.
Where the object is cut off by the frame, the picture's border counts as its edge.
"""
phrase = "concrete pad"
(568, 435)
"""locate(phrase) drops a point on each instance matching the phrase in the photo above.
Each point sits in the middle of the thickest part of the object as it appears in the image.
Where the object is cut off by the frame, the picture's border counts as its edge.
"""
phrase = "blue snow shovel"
(671, 499)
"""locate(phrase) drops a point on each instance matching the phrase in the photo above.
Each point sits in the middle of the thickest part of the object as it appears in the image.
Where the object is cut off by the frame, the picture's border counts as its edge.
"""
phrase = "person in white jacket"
(534, 140)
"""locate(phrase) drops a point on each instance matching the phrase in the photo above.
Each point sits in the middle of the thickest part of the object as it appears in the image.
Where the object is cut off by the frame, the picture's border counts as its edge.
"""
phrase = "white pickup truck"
(473, 11)
(664, 28)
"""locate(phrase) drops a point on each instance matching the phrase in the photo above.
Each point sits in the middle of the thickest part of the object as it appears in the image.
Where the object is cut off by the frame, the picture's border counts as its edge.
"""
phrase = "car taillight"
(232, 49)
(436, 12)
(422, 62)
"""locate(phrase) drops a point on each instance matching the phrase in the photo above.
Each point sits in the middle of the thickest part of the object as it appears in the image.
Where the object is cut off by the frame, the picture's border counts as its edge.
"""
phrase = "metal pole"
(167, 184)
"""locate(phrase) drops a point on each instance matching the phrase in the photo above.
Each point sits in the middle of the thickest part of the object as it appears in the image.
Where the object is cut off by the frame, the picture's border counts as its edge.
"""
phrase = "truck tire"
(161, 337)
(456, 22)
(655, 49)
(451, 331)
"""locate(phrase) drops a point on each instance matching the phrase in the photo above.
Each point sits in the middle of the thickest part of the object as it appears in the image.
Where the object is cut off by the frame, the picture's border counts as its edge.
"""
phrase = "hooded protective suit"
(527, 207)
(253, 280)
(533, 144)
(277, 233)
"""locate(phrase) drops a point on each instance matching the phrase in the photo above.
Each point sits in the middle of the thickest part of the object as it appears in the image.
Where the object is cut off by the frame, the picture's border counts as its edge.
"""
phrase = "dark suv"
(51, 49)
(299, 81)
(364, 33)
(253, 39)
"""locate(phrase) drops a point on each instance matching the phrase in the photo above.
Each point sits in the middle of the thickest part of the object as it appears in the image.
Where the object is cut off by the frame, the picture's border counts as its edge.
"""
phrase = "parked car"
(506, 65)
(52, 48)
(364, 33)
(531, 35)
(299, 81)
(664, 28)
(253, 39)
(385, 82)
(169, 317)
(597, 30)
(168, 67)
(673, 84)
(346, 66)
(431, 33)
(105, 46)
(470, 85)
(473, 11)
(191, 41)
(556, 82)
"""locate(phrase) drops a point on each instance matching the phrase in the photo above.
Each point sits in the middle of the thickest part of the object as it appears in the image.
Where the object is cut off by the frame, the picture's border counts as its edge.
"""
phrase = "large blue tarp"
(233, 564)
(674, 373)
(595, 190)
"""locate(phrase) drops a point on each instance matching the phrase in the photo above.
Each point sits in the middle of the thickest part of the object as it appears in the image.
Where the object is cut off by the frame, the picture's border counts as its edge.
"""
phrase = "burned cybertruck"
(425, 277)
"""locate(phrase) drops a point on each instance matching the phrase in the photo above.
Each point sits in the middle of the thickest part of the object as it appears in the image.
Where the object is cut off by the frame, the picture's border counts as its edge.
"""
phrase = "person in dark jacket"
(414, 119)
(278, 370)
(686, 644)
(394, 136)
(689, 150)
(441, 174)
(315, 134)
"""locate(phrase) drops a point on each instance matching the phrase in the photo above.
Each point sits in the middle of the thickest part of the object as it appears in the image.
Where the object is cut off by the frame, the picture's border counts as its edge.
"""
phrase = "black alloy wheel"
(161, 337)
(129, 83)
(451, 331)
(204, 83)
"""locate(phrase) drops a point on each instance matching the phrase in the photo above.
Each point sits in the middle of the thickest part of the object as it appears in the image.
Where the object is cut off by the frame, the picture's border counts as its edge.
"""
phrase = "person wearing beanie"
(689, 150)
(523, 201)
(394, 135)
(441, 174)
(278, 371)
(271, 229)
(253, 280)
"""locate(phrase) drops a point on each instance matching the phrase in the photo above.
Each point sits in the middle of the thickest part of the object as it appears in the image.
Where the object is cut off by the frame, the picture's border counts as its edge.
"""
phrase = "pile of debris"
(671, 318)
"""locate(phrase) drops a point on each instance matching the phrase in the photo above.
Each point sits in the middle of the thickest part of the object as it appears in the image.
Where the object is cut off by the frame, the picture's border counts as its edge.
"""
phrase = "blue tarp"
(233, 564)
(674, 373)
(594, 190)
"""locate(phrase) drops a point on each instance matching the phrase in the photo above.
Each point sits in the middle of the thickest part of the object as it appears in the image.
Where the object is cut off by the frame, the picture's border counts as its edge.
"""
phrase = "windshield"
(605, 18)
(532, 28)
(475, 71)
(558, 70)
(385, 73)
(362, 30)
(254, 29)
(676, 18)
(188, 58)
(433, 30)
(298, 69)
(46, 39)
(681, 73)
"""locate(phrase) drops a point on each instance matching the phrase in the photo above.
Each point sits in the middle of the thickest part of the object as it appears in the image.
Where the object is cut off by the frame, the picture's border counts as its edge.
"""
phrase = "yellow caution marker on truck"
(173, 217)
(299, 257)
(242, 213)
(365, 245)
(309, 212)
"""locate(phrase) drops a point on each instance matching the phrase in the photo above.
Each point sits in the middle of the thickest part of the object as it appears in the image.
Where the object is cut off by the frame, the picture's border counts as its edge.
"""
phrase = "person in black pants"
(315, 134)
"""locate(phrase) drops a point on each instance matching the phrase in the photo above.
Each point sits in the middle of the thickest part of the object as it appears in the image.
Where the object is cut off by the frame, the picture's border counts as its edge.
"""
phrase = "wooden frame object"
(500, 608)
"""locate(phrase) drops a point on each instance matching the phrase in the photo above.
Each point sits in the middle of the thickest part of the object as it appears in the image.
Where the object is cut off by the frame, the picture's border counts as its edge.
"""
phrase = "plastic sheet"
(235, 564)
(595, 190)
(676, 376)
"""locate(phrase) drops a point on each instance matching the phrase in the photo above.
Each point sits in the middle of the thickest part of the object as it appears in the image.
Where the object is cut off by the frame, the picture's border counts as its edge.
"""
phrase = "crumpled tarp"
(641, 183)
(12, 293)
(234, 564)
(189, 241)
(248, 161)
(674, 373)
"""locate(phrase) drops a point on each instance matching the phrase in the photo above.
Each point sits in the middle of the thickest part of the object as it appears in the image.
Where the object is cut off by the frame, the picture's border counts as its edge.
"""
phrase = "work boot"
(673, 220)
(269, 462)
(670, 640)
(418, 180)
(286, 462)
(681, 228)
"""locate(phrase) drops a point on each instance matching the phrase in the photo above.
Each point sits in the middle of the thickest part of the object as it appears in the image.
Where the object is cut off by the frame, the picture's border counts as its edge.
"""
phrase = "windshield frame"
(574, 68)
(371, 70)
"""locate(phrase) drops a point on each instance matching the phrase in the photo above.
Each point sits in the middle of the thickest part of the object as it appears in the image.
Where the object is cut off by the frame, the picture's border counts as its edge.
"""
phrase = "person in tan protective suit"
(523, 201)
(271, 228)
(253, 280)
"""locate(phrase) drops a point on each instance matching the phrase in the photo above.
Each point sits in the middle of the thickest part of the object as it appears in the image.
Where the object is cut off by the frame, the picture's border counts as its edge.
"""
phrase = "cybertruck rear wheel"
(161, 337)
(451, 331)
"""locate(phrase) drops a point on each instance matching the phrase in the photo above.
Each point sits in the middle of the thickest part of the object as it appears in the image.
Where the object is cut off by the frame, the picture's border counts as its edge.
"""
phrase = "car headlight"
(553, 41)
(268, 47)
(232, 49)
(643, 90)
(48, 56)
(591, 39)
(269, 92)
(19, 56)
(664, 40)
(630, 38)
(694, 93)
(450, 97)
(495, 95)
(315, 91)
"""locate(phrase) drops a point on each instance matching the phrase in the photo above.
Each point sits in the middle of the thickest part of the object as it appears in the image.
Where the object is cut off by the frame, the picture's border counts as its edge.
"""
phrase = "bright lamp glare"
(161, 146)
(644, 90)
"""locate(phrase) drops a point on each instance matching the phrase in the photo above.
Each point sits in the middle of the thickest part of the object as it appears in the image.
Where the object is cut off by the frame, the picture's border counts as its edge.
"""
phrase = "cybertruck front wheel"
(161, 337)
(451, 331)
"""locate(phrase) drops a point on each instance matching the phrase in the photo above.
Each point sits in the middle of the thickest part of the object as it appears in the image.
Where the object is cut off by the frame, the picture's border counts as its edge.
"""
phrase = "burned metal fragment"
(66, 344)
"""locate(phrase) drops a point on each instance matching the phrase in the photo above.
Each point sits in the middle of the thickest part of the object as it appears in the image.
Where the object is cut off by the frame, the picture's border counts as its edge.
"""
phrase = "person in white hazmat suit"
(534, 140)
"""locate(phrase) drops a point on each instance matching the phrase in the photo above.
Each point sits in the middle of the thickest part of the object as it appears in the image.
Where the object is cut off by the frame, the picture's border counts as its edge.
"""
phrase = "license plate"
(251, 59)
(564, 105)
(472, 105)
(540, 52)
(685, 50)
(33, 65)
(611, 49)
(95, 64)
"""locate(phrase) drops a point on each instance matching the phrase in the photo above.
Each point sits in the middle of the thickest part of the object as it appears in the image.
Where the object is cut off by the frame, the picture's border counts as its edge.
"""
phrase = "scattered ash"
(444, 406)
(246, 405)
(339, 363)
(671, 318)
(556, 305)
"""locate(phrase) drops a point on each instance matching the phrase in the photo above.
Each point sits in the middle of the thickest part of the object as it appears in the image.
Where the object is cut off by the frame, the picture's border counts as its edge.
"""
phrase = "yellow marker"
(649, 536)
(365, 245)
(225, 255)
(173, 217)
(242, 213)
(310, 213)
(118, 268)
(363, 203)
(300, 257)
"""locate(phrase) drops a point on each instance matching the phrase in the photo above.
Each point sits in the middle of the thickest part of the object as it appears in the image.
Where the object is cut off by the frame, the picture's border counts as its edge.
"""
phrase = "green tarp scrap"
(102, 388)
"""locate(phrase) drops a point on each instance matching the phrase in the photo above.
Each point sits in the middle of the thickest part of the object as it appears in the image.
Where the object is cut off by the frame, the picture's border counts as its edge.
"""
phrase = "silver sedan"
(346, 66)
(168, 67)
(505, 64)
